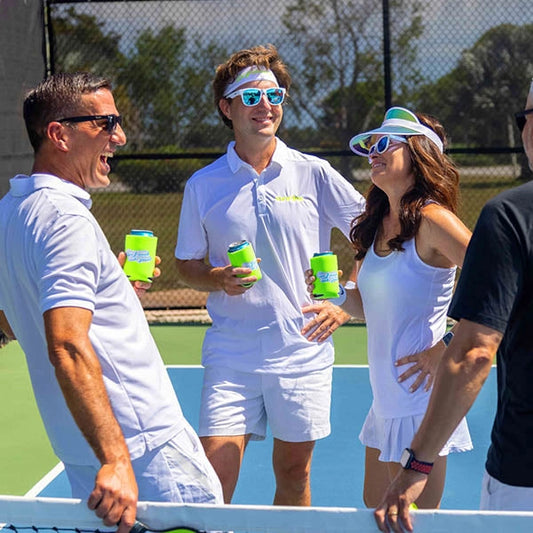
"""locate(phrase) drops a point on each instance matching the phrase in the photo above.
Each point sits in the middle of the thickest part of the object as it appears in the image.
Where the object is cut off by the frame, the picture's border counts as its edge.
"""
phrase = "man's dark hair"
(58, 96)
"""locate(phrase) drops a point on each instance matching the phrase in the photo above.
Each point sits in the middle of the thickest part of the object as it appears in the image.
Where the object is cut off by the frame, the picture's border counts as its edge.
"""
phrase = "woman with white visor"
(408, 243)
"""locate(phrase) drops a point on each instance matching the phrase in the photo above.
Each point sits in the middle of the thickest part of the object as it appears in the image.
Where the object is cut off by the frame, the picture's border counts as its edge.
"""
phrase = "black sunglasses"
(521, 118)
(111, 120)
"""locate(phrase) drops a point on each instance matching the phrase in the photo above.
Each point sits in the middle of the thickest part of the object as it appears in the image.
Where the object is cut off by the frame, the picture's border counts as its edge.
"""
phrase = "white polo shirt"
(54, 254)
(287, 214)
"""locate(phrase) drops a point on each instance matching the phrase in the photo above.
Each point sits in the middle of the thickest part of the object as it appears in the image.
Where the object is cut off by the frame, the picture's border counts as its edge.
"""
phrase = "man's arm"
(203, 277)
(79, 375)
(462, 372)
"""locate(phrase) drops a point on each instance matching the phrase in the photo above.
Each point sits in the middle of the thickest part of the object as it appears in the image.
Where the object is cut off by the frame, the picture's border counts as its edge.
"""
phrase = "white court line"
(45, 481)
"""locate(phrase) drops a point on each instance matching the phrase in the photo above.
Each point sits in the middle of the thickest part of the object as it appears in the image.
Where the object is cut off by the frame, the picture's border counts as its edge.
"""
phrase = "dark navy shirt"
(495, 289)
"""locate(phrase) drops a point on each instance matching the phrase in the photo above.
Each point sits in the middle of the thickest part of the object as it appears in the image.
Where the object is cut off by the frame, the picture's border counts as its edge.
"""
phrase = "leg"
(225, 454)
(292, 468)
(377, 478)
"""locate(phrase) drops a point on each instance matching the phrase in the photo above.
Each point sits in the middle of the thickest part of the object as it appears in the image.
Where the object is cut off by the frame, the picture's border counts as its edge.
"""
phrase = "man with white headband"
(493, 304)
(258, 365)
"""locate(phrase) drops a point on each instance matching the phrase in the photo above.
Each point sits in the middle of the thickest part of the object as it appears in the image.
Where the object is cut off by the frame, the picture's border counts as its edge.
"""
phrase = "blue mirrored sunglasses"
(252, 96)
(384, 143)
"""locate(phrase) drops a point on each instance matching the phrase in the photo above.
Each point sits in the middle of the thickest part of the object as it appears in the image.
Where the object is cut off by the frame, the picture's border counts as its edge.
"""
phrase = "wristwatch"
(410, 462)
(447, 338)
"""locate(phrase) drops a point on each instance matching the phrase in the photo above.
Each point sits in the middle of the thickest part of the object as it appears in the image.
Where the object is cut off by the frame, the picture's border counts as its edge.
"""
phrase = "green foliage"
(94, 51)
(162, 83)
(341, 57)
(476, 101)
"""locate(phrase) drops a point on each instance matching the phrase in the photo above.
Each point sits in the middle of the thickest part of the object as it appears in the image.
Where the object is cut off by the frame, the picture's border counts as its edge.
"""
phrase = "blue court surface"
(338, 463)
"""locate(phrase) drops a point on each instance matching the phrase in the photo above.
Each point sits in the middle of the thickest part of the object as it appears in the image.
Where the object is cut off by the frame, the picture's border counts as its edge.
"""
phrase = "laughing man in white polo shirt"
(258, 365)
(104, 395)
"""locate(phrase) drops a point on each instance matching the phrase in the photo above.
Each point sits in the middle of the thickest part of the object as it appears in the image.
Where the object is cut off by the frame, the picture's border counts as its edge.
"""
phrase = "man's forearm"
(199, 275)
(462, 372)
(79, 375)
(81, 382)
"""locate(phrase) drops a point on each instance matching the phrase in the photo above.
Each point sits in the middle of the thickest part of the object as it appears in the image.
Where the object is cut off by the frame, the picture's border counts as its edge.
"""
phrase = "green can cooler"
(140, 247)
(241, 254)
(326, 272)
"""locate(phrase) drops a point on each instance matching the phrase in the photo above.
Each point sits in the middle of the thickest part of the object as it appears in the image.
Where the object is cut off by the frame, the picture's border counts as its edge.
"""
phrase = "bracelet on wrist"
(341, 298)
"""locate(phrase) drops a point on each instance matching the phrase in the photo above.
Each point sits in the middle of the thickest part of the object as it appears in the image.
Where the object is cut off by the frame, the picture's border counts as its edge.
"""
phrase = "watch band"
(410, 462)
(420, 466)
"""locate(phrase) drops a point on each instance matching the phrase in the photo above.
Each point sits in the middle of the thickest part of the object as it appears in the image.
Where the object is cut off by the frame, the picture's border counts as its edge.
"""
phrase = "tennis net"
(43, 515)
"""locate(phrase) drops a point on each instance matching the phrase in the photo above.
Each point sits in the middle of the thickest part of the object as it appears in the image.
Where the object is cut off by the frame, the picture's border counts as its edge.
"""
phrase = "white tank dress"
(405, 303)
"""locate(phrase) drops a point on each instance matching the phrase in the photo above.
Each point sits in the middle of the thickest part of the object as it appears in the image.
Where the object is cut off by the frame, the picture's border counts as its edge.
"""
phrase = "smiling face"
(257, 122)
(89, 145)
(392, 168)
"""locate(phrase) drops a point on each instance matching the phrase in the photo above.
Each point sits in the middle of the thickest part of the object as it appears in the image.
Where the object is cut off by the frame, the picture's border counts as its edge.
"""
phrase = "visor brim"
(360, 144)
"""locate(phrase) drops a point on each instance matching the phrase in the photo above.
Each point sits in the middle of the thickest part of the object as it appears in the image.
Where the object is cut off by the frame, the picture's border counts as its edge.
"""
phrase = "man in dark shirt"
(494, 306)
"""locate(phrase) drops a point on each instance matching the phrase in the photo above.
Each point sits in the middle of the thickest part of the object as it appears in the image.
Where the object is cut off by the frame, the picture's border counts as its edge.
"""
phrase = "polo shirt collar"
(235, 162)
(22, 185)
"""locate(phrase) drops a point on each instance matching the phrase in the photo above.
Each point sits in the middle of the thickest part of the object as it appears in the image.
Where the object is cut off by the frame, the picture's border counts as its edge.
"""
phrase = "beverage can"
(241, 254)
(140, 247)
(326, 272)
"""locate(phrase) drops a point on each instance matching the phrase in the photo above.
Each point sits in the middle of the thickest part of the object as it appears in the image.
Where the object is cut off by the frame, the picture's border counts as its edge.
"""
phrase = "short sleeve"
(68, 262)
(492, 272)
(340, 202)
(192, 239)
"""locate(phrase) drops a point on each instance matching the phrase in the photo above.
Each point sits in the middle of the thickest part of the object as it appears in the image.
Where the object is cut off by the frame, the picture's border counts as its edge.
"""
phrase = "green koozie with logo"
(326, 272)
(140, 247)
(241, 254)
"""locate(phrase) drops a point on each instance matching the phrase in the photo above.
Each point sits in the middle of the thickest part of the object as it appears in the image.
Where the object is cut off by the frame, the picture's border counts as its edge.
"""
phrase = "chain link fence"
(469, 63)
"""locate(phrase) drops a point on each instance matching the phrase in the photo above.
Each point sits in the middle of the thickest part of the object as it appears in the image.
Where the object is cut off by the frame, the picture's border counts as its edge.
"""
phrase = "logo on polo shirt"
(292, 198)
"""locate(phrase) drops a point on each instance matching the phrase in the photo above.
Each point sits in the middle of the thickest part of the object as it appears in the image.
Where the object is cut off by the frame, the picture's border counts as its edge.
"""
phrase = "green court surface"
(25, 453)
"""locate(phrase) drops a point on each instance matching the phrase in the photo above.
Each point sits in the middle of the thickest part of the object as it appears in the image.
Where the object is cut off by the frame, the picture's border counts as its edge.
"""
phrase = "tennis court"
(338, 461)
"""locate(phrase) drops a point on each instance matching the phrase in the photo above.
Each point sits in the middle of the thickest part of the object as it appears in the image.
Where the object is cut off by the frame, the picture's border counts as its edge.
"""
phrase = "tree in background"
(478, 98)
(338, 84)
(169, 79)
(94, 50)
(162, 82)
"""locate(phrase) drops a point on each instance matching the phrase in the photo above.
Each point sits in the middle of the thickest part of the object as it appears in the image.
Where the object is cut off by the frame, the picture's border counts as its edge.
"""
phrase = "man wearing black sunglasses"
(258, 365)
(493, 303)
(106, 400)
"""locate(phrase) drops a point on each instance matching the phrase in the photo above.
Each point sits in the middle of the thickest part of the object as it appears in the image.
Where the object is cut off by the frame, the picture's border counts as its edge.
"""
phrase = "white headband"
(249, 74)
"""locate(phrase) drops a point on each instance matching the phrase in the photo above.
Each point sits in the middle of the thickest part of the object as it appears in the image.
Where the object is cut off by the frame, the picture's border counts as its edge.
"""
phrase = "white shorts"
(392, 435)
(297, 406)
(497, 496)
(177, 472)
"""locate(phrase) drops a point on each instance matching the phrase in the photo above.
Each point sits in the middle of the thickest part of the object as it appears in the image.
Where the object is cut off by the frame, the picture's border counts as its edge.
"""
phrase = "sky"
(450, 26)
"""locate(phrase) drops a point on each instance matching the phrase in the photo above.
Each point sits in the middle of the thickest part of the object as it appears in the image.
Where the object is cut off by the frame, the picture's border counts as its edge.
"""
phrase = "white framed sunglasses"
(252, 96)
(384, 143)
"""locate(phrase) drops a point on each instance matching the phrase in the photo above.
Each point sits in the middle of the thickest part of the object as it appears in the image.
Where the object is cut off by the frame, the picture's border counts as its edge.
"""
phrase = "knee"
(297, 475)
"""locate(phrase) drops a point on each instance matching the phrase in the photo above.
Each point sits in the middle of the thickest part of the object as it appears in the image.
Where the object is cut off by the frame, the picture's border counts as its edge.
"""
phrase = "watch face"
(406, 456)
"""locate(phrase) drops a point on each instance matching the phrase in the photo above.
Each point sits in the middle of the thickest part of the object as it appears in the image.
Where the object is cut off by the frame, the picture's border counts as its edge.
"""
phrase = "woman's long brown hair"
(436, 179)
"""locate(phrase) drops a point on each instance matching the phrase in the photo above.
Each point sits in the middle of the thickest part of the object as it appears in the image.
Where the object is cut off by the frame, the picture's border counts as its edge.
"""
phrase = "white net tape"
(59, 513)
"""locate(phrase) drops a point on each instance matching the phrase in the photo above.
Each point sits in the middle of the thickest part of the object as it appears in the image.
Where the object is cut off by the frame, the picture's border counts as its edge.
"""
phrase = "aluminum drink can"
(326, 272)
(140, 247)
(241, 254)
